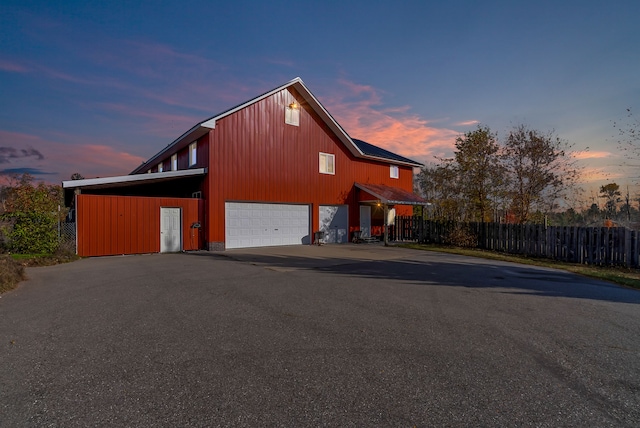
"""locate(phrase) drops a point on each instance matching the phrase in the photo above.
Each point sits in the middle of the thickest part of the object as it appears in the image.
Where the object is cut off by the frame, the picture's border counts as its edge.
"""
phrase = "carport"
(133, 214)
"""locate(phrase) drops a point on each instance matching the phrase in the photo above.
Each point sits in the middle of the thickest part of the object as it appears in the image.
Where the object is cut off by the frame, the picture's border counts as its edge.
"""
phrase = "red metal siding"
(109, 225)
(255, 156)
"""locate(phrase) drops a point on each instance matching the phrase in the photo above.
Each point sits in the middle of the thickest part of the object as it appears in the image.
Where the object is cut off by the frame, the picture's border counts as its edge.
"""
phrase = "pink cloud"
(595, 174)
(13, 67)
(195, 95)
(358, 110)
(283, 62)
(61, 159)
(52, 73)
(592, 155)
(187, 80)
(468, 123)
(157, 123)
(102, 160)
(163, 54)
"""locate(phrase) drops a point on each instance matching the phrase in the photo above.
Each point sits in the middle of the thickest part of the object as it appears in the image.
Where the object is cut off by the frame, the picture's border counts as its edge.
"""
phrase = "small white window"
(292, 114)
(174, 162)
(149, 172)
(327, 163)
(160, 167)
(193, 151)
(394, 171)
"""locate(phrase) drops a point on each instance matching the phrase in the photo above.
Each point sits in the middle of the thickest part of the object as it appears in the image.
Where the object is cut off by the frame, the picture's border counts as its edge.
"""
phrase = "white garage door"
(334, 222)
(264, 225)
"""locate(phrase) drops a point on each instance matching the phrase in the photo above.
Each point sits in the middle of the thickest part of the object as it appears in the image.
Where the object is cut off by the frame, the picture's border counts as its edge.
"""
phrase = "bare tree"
(440, 186)
(611, 193)
(541, 169)
(526, 176)
(629, 136)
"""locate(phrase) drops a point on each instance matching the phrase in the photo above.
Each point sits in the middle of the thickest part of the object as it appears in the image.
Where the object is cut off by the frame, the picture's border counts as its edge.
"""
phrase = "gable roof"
(358, 148)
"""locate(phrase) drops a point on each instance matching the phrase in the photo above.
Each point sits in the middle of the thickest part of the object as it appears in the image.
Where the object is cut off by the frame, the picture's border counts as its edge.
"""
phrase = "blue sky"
(97, 87)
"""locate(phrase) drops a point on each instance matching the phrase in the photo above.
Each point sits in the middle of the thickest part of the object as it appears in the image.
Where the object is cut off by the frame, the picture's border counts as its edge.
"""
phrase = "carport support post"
(386, 225)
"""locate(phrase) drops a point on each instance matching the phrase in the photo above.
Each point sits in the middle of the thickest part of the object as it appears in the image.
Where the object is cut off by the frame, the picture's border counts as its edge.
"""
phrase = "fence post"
(627, 247)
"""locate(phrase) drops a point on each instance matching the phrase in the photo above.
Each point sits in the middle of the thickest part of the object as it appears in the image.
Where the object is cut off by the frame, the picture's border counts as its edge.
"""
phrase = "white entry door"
(365, 221)
(170, 230)
(334, 222)
(249, 224)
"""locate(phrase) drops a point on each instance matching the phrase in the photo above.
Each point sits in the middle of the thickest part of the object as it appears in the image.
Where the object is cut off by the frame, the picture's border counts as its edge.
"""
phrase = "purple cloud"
(8, 153)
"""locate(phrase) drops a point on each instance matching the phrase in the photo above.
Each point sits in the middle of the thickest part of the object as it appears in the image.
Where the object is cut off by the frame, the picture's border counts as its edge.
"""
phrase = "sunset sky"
(97, 87)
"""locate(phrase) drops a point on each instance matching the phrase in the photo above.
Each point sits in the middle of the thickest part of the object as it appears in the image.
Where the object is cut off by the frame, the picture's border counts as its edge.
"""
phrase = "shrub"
(30, 216)
(460, 236)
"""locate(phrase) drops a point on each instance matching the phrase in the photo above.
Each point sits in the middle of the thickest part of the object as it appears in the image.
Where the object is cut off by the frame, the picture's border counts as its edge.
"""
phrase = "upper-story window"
(292, 114)
(174, 162)
(327, 163)
(193, 152)
(394, 171)
(160, 167)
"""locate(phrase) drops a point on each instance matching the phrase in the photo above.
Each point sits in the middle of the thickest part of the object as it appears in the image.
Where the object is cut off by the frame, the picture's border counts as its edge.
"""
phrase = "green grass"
(618, 275)
(29, 256)
(44, 259)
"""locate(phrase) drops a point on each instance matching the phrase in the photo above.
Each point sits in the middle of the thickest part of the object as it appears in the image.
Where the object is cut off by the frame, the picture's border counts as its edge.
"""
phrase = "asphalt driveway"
(350, 335)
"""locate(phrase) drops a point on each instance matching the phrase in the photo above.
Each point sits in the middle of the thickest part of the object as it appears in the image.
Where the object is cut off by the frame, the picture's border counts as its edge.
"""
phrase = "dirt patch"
(12, 269)
(11, 273)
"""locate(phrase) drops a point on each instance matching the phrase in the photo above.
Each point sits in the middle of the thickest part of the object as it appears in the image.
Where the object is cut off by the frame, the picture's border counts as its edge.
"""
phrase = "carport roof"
(126, 181)
(131, 180)
(391, 195)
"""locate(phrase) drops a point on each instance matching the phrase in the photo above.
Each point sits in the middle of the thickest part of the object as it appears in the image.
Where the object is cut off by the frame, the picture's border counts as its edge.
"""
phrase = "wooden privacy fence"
(587, 245)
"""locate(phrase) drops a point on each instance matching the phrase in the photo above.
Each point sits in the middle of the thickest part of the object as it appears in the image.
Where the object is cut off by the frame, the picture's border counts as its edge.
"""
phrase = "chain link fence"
(67, 236)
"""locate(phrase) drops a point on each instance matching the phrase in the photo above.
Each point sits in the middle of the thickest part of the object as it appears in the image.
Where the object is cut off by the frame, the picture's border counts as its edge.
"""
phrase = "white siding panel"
(334, 222)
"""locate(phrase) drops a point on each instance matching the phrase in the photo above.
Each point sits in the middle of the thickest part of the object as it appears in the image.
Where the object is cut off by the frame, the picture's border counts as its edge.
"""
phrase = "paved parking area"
(348, 335)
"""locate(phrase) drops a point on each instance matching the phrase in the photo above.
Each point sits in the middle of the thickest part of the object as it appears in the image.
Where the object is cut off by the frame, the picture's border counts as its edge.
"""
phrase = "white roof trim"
(328, 119)
(73, 184)
(211, 123)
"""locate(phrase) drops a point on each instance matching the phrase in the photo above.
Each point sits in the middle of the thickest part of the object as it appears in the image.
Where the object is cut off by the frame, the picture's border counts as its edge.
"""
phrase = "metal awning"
(125, 183)
(131, 180)
(391, 195)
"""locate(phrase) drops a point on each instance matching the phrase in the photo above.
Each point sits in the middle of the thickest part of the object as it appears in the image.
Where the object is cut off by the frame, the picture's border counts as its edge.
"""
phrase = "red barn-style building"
(271, 171)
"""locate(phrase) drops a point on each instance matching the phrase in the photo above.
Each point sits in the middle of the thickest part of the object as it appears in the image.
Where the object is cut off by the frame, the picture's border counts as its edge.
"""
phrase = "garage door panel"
(261, 225)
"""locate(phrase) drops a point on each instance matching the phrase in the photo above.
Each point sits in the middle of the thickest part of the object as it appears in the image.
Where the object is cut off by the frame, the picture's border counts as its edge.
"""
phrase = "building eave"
(123, 180)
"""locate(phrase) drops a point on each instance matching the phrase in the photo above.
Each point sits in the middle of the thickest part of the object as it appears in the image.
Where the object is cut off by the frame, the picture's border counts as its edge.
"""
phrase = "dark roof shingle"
(375, 151)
